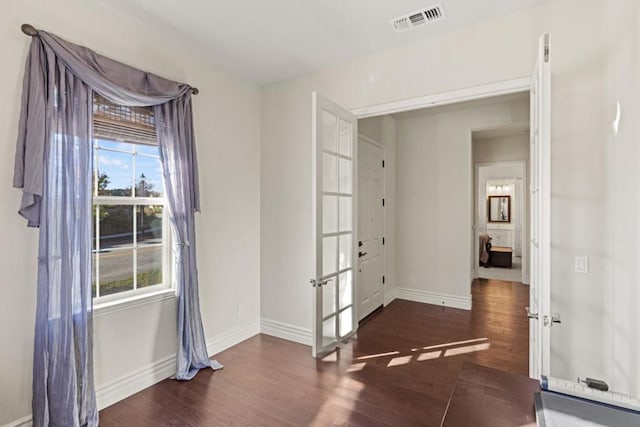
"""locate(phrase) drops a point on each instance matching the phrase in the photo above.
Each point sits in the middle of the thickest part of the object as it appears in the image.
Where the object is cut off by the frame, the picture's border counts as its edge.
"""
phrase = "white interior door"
(370, 227)
(540, 245)
(335, 153)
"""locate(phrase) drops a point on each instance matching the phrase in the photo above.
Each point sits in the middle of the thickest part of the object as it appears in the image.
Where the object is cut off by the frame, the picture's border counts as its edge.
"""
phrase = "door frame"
(524, 212)
(380, 145)
(444, 98)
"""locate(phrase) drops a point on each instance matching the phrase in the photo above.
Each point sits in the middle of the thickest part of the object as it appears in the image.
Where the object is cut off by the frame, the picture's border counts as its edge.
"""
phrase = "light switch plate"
(582, 264)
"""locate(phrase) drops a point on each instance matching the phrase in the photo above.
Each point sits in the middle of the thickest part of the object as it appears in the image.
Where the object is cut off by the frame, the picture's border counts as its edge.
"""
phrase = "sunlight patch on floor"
(430, 355)
(337, 409)
(397, 361)
(466, 349)
(373, 356)
(437, 351)
(453, 344)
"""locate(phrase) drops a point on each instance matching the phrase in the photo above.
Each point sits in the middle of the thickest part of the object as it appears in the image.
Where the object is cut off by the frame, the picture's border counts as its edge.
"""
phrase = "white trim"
(116, 305)
(390, 294)
(131, 383)
(434, 298)
(20, 422)
(233, 337)
(285, 331)
(451, 97)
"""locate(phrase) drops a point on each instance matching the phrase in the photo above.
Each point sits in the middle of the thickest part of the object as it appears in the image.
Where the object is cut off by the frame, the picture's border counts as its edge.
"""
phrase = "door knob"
(319, 283)
(361, 254)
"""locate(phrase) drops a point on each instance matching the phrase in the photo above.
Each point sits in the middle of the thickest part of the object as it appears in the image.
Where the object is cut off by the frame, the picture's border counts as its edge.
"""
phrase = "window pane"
(114, 173)
(116, 271)
(346, 322)
(346, 249)
(149, 177)
(329, 297)
(329, 253)
(116, 226)
(149, 227)
(329, 214)
(329, 173)
(345, 176)
(329, 131)
(346, 289)
(149, 270)
(345, 138)
(346, 214)
(329, 330)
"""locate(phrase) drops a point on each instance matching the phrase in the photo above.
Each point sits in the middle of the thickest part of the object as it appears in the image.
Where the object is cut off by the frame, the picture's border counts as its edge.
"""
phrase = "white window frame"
(167, 287)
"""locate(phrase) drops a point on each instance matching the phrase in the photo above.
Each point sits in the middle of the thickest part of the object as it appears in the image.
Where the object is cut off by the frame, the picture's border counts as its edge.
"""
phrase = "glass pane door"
(333, 282)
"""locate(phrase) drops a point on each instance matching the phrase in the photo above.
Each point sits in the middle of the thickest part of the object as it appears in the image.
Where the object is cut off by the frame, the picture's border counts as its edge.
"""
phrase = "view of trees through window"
(128, 217)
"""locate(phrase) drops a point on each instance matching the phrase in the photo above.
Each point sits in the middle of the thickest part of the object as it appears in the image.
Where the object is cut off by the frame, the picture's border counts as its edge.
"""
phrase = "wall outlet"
(582, 264)
(240, 310)
(412, 278)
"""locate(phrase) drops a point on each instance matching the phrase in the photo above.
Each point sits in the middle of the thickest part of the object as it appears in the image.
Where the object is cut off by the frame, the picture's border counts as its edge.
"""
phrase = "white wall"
(383, 130)
(622, 202)
(435, 190)
(495, 50)
(622, 333)
(501, 149)
(227, 125)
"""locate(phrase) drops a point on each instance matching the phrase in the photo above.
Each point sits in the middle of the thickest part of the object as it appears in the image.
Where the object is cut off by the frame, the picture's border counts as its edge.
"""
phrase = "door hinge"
(383, 240)
(382, 202)
(382, 279)
(383, 163)
(546, 48)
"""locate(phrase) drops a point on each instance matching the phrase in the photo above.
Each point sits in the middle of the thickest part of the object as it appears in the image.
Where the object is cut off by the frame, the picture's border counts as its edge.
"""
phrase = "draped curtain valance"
(53, 167)
(115, 81)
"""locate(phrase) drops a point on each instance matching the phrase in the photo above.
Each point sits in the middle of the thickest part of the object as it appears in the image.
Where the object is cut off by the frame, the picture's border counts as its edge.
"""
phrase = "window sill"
(109, 307)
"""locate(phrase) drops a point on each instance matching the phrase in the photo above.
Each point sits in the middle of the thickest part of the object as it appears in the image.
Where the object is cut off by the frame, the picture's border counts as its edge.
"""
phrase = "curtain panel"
(53, 167)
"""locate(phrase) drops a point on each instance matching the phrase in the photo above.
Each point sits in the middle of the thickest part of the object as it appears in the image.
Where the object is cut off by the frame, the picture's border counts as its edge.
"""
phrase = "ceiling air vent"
(418, 18)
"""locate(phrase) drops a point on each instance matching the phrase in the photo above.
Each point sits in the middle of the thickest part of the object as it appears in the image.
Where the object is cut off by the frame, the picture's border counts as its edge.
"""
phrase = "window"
(130, 228)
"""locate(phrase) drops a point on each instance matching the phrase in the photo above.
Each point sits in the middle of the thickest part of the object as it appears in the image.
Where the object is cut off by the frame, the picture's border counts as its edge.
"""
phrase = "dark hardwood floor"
(400, 370)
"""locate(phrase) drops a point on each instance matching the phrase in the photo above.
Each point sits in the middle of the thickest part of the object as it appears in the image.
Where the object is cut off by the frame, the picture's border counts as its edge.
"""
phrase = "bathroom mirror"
(499, 208)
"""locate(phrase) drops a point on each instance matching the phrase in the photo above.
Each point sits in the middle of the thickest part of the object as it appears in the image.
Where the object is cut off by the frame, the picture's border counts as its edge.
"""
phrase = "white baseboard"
(434, 298)
(136, 381)
(390, 294)
(233, 337)
(21, 422)
(127, 385)
(285, 331)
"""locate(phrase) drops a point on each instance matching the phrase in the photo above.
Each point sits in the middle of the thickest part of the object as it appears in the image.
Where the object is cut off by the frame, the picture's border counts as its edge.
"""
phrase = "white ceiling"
(271, 40)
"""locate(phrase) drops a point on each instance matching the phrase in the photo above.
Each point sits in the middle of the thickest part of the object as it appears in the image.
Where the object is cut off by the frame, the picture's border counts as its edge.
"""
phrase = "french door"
(334, 282)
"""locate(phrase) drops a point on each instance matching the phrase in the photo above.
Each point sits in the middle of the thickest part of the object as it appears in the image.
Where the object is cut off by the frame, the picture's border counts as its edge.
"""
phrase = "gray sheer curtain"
(178, 156)
(53, 168)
